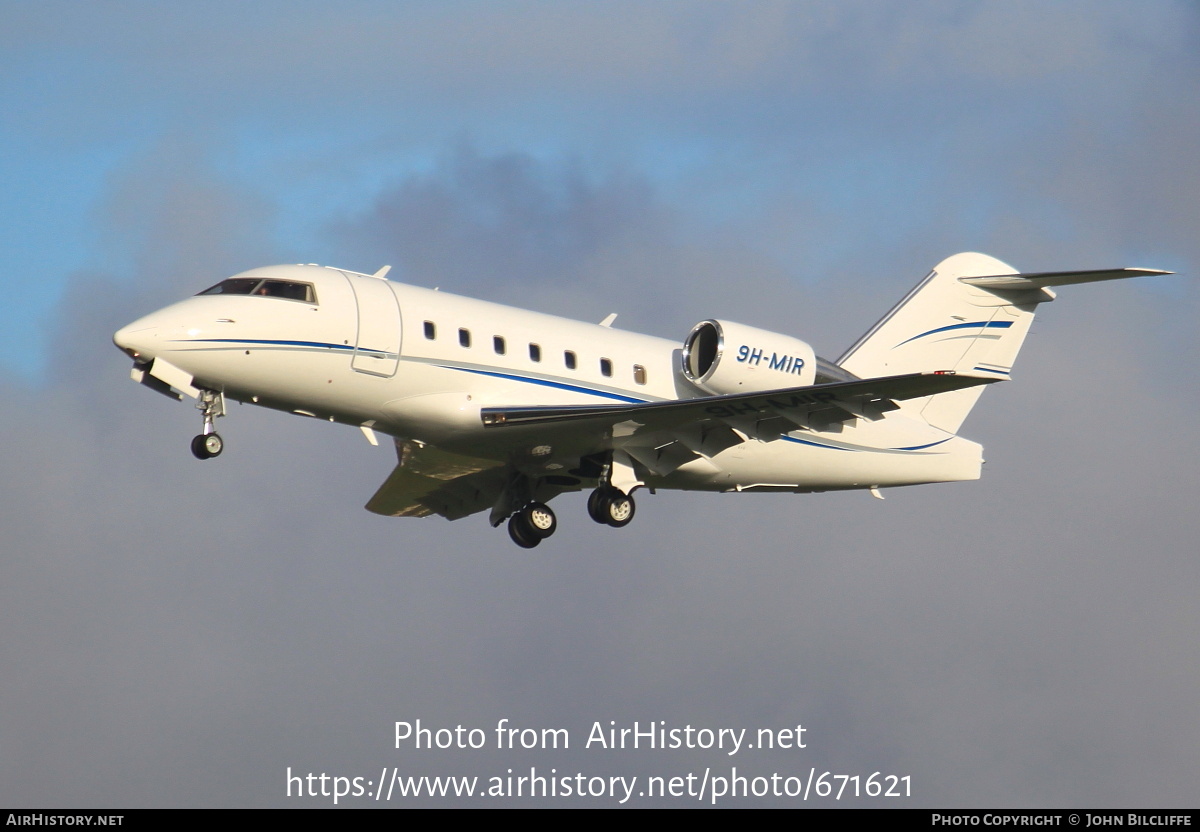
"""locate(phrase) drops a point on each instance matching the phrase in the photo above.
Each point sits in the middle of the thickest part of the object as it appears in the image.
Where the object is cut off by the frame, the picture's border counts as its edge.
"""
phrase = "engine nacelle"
(722, 357)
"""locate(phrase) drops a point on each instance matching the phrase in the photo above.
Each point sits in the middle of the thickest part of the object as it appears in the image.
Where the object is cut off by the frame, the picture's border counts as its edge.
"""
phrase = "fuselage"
(419, 364)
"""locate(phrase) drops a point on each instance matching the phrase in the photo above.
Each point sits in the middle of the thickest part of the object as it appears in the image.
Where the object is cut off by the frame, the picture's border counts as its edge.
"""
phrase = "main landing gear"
(611, 506)
(209, 443)
(536, 521)
(530, 522)
(531, 525)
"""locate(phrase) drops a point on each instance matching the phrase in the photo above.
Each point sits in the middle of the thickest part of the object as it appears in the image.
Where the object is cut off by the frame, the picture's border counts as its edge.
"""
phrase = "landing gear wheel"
(618, 509)
(521, 532)
(611, 507)
(539, 519)
(593, 506)
(207, 445)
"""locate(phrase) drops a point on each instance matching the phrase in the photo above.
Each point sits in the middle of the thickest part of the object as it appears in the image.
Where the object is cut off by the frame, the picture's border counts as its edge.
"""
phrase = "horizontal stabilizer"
(1042, 280)
(431, 481)
(408, 494)
(428, 481)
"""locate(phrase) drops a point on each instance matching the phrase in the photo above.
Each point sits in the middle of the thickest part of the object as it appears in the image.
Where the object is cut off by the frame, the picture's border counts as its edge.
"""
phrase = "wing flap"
(708, 438)
(663, 459)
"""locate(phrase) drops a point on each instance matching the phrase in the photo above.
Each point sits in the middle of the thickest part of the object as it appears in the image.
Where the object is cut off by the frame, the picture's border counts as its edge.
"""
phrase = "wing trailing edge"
(778, 411)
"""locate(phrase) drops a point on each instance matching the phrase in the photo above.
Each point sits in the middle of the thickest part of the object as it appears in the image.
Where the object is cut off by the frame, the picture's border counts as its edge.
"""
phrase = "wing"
(799, 406)
(431, 481)
(660, 435)
(665, 435)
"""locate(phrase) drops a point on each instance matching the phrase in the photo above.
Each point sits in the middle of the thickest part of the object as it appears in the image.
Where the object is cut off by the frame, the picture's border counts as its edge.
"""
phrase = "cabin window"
(535, 352)
(286, 289)
(569, 359)
(498, 344)
(430, 330)
(639, 373)
(606, 366)
(464, 337)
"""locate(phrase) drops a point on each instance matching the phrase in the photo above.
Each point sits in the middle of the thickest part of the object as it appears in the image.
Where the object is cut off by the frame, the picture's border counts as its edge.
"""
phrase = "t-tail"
(969, 315)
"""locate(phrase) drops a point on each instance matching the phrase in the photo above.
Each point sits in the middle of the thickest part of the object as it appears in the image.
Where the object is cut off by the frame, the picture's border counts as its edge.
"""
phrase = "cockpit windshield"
(286, 289)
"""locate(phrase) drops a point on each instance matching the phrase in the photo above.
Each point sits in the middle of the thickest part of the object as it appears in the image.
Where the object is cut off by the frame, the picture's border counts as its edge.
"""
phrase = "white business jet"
(502, 409)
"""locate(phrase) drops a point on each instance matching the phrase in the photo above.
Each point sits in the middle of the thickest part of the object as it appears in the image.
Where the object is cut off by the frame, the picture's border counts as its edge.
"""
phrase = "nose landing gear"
(209, 443)
(206, 446)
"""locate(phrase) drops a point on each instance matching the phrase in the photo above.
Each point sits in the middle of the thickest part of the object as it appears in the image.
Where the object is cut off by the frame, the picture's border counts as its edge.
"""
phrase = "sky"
(185, 634)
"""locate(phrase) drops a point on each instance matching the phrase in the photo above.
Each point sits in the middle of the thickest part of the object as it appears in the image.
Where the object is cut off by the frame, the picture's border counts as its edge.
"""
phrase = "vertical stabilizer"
(947, 324)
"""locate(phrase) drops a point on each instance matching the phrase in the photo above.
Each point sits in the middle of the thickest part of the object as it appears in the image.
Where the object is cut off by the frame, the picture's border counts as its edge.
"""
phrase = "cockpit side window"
(286, 289)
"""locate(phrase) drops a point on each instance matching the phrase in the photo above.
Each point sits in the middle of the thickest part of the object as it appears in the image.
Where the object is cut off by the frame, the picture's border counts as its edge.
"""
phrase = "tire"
(618, 509)
(198, 449)
(539, 520)
(207, 445)
(595, 506)
(521, 533)
(213, 444)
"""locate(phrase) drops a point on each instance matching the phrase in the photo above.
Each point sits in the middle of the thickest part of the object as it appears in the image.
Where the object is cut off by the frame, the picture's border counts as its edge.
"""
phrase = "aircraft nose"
(136, 340)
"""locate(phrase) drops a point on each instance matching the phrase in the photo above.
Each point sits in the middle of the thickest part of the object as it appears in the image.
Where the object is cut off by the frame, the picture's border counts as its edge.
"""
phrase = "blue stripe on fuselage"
(558, 385)
(574, 388)
(546, 383)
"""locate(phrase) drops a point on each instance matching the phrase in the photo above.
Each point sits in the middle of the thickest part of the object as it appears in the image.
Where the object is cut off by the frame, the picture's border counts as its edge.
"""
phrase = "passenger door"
(377, 350)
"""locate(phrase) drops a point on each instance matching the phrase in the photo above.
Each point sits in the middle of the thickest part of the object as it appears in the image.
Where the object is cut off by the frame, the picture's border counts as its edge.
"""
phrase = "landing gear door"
(377, 351)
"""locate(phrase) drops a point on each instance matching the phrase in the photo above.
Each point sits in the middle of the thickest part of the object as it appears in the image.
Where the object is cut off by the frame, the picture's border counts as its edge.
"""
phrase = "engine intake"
(723, 357)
